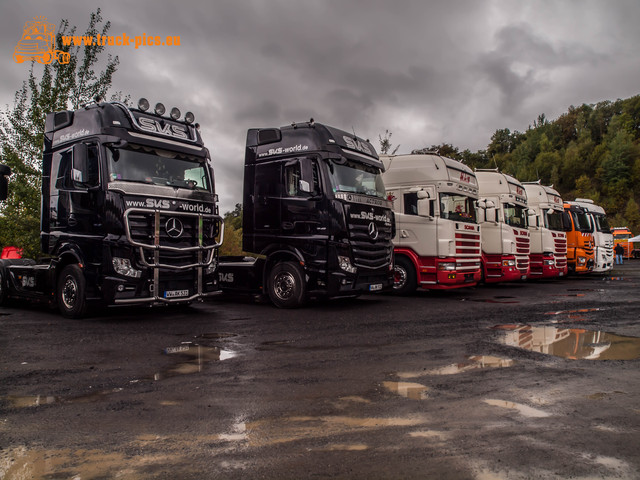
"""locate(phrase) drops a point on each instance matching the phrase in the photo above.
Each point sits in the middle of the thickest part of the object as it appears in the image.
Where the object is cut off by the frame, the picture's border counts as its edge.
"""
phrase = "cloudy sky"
(430, 72)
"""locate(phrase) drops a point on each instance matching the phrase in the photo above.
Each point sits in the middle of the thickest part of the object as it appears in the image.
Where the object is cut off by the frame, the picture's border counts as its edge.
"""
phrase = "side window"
(63, 174)
(93, 170)
(299, 183)
(411, 203)
(292, 177)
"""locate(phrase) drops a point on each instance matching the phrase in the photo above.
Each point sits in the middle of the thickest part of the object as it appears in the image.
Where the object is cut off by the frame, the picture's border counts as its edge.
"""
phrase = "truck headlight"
(508, 263)
(549, 262)
(446, 266)
(582, 260)
(345, 264)
(123, 266)
(212, 267)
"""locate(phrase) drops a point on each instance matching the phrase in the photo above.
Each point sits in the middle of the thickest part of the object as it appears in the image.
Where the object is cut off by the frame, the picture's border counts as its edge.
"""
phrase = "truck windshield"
(352, 177)
(553, 221)
(157, 167)
(515, 215)
(457, 207)
(602, 224)
(581, 222)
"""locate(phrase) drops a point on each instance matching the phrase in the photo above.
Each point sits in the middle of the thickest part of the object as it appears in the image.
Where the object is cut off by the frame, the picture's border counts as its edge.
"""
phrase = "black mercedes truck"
(129, 212)
(315, 217)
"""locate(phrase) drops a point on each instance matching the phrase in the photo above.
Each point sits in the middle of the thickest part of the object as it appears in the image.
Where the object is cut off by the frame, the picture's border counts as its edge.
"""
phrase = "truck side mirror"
(79, 167)
(4, 181)
(533, 217)
(423, 206)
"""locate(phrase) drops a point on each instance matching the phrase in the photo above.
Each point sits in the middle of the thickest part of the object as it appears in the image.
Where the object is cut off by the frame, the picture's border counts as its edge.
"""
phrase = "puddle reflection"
(414, 391)
(474, 362)
(198, 357)
(524, 410)
(570, 343)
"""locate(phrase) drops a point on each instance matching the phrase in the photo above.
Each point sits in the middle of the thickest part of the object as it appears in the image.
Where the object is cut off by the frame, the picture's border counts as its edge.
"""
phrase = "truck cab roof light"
(143, 104)
(189, 117)
(175, 113)
(160, 109)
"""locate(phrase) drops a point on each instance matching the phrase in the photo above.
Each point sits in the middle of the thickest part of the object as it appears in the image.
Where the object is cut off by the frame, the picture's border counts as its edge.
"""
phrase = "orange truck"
(580, 243)
(621, 235)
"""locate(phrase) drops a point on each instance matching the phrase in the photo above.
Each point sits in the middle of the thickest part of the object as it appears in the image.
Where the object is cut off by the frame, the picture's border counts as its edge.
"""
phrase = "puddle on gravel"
(570, 343)
(493, 300)
(216, 336)
(27, 401)
(570, 312)
(472, 362)
(198, 357)
(275, 431)
(414, 391)
(524, 410)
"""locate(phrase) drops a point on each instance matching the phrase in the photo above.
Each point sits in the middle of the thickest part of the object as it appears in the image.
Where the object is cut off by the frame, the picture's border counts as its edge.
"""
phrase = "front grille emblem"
(373, 231)
(174, 227)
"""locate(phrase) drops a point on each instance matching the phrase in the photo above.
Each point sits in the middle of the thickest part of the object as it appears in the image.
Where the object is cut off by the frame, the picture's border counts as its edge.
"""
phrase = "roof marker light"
(175, 113)
(160, 109)
(143, 104)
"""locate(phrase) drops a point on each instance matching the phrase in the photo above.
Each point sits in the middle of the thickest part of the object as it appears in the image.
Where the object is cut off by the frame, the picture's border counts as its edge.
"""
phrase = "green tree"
(385, 144)
(232, 244)
(57, 87)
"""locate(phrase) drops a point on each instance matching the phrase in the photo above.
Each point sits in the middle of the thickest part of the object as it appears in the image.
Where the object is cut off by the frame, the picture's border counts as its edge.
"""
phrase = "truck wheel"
(404, 276)
(286, 285)
(71, 292)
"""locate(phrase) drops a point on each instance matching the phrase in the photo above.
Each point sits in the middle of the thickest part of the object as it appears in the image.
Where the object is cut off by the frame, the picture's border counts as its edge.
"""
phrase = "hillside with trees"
(591, 151)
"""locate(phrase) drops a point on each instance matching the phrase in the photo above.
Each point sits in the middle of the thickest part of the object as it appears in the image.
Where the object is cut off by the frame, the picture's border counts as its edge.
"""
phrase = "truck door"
(266, 208)
(73, 205)
(300, 214)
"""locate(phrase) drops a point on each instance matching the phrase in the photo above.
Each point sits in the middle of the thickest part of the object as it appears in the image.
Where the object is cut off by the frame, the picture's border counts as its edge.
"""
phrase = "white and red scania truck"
(548, 238)
(437, 241)
(504, 222)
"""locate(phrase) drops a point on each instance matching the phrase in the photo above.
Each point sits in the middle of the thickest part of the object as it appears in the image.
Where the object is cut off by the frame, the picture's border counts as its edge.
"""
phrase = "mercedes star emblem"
(373, 231)
(174, 227)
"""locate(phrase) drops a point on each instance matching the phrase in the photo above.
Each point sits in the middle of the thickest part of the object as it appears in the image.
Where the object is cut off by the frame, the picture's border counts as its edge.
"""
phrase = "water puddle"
(570, 312)
(27, 401)
(473, 362)
(524, 410)
(570, 343)
(414, 391)
(198, 357)
(216, 336)
(275, 431)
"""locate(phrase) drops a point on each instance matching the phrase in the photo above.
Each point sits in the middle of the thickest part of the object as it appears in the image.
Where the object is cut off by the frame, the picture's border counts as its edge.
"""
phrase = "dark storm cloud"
(520, 55)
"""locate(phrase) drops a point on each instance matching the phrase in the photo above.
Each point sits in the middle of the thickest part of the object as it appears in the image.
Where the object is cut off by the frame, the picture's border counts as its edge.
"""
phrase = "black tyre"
(71, 292)
(404, 276)
(286, 286)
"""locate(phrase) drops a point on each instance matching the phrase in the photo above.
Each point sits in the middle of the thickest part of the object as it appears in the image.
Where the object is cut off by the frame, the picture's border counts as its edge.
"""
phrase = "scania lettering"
(601, 231)
(129, 214)
(316, 217)
(580, 245)
(437, 241)
(548, 238)
(504, 222)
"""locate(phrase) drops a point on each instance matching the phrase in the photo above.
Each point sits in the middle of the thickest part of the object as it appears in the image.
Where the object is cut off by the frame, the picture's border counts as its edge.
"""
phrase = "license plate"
(561, 274)
(176, 293)
(375, 287)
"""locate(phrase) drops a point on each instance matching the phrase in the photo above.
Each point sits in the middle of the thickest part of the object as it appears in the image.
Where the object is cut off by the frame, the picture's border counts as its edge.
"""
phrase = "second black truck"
(316, 217)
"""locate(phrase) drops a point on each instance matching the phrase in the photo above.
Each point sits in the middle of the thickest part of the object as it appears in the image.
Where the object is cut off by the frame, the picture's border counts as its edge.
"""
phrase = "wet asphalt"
(516, 381)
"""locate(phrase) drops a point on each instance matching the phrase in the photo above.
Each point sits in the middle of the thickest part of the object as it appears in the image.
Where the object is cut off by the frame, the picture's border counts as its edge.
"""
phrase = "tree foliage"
(56, 87)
